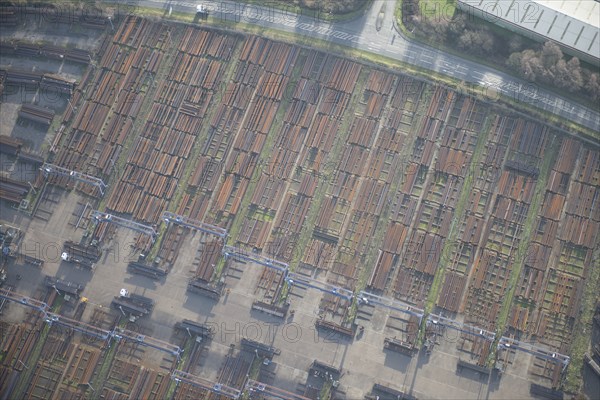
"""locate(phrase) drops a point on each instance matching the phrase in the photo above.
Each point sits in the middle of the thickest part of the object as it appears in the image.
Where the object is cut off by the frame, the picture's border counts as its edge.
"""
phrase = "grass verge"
(447, 11)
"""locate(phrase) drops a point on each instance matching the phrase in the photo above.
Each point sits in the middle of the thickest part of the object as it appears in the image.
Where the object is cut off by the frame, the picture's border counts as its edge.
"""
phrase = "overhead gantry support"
(125, 223)
(51, 169)
(78, 326)
(299, 280)
(507, 344)
(243, 255)
(461, 327)
(171, 218)
(26, 301)
(124, 334)
(370, 298)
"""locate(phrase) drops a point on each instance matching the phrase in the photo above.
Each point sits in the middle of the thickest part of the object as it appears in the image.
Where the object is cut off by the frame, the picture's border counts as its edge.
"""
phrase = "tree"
(550, 54)
(565, 75)
(514, 61)
(592, 84)
(458, 25)
(436, 27)
(476, 42)
(575, 76)
(515, 43)
(527, 64)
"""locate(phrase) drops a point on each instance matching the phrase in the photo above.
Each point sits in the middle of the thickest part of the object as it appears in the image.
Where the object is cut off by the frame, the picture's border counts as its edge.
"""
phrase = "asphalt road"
(362, 33)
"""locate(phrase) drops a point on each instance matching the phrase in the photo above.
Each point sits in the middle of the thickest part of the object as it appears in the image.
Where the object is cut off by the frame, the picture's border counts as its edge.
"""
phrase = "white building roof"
(572, 23)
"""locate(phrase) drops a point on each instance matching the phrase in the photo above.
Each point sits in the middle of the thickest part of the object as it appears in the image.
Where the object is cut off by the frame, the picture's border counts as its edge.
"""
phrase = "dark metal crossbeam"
(181, 220)
(239, 254)
(303, 281)
(51, 169)
(125, 223)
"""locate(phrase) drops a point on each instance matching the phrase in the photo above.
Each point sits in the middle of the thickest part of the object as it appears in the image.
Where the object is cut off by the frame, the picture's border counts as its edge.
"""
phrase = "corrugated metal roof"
(572, 23)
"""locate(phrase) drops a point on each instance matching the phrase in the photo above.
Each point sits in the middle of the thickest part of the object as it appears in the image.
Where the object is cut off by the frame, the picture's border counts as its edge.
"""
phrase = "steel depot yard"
(210, 214)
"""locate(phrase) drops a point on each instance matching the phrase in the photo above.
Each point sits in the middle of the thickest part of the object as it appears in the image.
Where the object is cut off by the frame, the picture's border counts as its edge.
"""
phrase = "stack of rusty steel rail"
(571, 196)
(267, 290)
(151, 271)
(332, 105)
(458, 138)
(36, 113)
(10, 145)
(12, 190)
(277, 174)
(124, 374)
(404, 103)
(150, 385)
(2, 81)
(233, 372)
(54, 83)
(530, 287)
(70, 111)
(82, 364)
(355, 197)
(158, 160)
(117, 84)
(81, 254)
(477, 346)
(381, 391)
(265, 66)
(44, 381)
(133, 305)
(46, 51)
(104, 232)
(55, 14)
(48, 82)
(292, 162)
(257, 77)
(504, 229)
(18, 343)
(334, 315)
(206, 259)
(171, 245)
(9, 15)
(22, 78)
